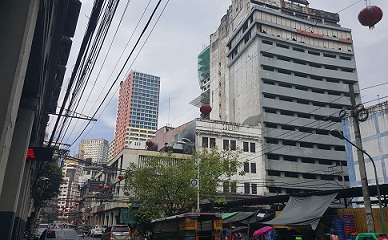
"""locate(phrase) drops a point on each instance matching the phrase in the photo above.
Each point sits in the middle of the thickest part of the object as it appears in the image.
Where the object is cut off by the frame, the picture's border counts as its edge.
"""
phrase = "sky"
(171, 52)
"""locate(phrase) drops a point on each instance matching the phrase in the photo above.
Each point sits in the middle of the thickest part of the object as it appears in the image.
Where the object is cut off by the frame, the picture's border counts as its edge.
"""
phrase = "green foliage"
(47, 184)
(164, 181)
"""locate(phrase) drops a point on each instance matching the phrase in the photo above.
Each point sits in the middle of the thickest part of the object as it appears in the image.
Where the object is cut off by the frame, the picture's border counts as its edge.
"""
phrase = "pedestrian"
(333, 235)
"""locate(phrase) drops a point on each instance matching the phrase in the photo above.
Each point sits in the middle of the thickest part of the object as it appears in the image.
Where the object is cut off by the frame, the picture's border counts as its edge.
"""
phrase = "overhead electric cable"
(121, 70)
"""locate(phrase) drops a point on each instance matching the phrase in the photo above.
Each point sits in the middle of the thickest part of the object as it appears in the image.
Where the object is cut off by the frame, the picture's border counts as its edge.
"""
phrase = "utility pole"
(361, 164)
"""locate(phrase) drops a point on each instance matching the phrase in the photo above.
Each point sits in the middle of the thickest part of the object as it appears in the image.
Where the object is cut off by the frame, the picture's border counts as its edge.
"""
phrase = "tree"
(47, 185)
(164, 181)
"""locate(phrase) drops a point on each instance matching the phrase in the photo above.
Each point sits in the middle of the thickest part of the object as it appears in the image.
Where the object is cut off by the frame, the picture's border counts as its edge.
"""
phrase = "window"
(225, 144)
(246, 167)
(246, 188)
(205, 142)
(232, 144)
(226, 187)
(254, 188)
(212, 142)
(233, 187)
(253, 147)
(253, 167)
(245, 146)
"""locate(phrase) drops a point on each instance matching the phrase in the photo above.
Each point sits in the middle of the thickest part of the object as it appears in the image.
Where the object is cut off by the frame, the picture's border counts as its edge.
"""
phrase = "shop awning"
(303, 210)
(239, 216)
(228, 215)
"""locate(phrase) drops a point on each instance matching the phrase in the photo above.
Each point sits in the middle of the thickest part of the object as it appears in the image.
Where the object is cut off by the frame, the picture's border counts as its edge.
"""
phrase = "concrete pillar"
(14, 172)
(24, 204)
(17, 25)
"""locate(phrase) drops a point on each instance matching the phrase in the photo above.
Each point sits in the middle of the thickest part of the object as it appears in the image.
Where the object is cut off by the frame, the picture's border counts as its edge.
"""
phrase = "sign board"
(104, 195)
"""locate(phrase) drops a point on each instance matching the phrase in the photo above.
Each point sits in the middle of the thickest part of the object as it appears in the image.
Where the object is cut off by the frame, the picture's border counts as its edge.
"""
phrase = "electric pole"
(361, 164)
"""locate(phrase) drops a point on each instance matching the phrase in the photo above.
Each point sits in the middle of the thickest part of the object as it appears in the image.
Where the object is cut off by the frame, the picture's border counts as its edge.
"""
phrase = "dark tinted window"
(120, 229)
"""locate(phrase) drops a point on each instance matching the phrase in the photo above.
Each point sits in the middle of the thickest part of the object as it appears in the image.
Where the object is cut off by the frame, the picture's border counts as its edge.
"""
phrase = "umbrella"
(262, 230)
(240, 228)
(226, 231)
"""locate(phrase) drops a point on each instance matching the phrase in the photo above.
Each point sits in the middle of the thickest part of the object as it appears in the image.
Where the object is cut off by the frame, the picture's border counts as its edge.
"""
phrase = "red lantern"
(120, 177)
(83, 199)
(106, 187)
(150, 143)
(205, 109)
(370, 15)
(76, 204)
(101, 185)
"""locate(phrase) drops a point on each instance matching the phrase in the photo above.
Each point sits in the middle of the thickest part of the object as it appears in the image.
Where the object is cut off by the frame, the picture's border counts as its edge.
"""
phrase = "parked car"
(38, 230)
(117, 232)
(97, 231)
(371, 236)
(59, 234)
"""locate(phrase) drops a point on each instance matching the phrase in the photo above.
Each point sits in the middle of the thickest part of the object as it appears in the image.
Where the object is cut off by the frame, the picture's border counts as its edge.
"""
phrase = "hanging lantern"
(120, 177)
(370, 15)
(106, 187)
(101, 185)
(84, 198)
(150, 143)
(205, 109)
(76, 204)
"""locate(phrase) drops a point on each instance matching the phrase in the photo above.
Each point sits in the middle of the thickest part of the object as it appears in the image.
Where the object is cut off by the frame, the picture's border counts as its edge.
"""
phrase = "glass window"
(205, 142)
(212, 142)
(225, 144)
(233, 187)
(246, 167)
(232, 144)
(253, 147)
(245, 146)
(226, 187)
(254, 188)
(246, 188)
(253, 167)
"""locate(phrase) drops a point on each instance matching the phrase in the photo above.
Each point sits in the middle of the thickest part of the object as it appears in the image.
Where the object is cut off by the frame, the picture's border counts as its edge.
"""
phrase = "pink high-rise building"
(137, 112)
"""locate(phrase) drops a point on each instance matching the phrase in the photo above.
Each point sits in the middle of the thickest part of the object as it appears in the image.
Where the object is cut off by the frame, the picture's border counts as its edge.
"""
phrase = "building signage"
(230, 126)
(104, 195)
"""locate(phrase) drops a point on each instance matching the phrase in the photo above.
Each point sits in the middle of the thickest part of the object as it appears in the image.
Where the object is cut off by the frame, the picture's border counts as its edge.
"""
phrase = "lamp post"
(338, 134)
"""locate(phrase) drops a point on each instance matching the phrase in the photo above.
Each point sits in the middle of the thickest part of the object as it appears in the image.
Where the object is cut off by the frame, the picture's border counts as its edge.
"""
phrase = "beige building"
(286, 68)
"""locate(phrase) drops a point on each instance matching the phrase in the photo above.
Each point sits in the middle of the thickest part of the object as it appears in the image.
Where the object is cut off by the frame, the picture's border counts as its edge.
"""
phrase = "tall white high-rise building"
(285, 67)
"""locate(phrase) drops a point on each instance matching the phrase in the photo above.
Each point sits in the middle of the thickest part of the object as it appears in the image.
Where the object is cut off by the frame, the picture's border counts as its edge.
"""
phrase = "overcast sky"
(172, 49)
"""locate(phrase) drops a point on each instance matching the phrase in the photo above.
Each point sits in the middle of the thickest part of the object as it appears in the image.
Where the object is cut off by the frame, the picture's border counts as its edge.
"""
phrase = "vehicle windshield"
(43, 226)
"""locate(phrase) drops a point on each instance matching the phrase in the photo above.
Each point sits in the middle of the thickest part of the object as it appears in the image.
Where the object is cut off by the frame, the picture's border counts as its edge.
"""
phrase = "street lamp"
(338, 134)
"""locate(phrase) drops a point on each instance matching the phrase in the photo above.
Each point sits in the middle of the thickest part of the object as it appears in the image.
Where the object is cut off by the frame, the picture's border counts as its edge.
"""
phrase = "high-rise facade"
(138, 108)
(94, 149)
(287, 68)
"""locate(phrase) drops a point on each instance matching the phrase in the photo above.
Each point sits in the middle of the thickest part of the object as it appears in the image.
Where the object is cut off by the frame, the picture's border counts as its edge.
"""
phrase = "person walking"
(333, 235)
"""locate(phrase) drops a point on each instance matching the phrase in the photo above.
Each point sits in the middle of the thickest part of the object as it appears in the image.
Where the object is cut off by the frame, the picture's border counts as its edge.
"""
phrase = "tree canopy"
(164, 181)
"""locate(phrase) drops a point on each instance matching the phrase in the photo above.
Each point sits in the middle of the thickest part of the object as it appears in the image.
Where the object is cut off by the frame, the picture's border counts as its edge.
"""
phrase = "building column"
(24, 204)
(14, 172)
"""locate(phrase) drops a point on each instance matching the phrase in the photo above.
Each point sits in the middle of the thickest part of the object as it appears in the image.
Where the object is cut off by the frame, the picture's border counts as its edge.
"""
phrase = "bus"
(188, 226)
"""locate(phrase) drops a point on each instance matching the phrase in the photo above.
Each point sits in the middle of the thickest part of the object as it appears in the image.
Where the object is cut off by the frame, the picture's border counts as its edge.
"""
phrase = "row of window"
(228, 144)
(301, 115)
(271, 156)
(307, 63)
(303, 101)
(289, 142)
(275, 173)
(304, 88)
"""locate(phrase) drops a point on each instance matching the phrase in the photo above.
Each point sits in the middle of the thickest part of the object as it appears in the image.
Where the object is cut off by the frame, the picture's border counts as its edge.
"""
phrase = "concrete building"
(35, 42)
(112, 208)
(69, 192)
(94, 149)
(374, 133)
(243, 140)
(137, 111)
(286, 68)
